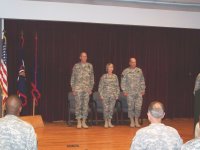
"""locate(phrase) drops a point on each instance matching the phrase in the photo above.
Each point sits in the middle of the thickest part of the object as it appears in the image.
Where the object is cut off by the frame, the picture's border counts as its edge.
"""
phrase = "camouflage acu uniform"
(132, 83)
(192, 145)
(197, 83)
(82, 82)
(15, 134)
(196, 100)
(156, 137)
(109, 92)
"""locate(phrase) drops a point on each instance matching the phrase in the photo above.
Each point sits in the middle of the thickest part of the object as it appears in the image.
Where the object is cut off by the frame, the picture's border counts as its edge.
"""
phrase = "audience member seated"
(156, 136)
(15, 134)
(195, 143)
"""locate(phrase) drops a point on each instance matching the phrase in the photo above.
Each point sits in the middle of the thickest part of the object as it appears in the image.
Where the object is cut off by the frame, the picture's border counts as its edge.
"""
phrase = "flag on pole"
(21, 80)
(35, 84)
(4, 74)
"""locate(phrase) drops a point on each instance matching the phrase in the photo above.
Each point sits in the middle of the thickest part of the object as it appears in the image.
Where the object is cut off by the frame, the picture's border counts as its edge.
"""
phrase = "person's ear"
(149, 115)
(163, 115)
(20, 109)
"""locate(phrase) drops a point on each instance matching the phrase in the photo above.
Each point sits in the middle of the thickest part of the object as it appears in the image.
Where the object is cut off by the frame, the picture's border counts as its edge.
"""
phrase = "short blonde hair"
(107, 65)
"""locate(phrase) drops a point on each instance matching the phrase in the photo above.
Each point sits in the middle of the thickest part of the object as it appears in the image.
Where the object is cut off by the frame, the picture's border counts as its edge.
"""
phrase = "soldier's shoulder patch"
(89, 65)
(138, 70)
(115, 75)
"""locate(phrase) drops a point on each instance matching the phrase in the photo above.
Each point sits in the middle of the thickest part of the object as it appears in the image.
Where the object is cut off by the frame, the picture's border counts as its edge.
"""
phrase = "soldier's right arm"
(72, 82)
(137, 142)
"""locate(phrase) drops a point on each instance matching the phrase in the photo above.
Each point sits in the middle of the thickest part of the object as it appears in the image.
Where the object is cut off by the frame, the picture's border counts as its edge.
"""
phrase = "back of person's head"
(13, 105)
(156, 110)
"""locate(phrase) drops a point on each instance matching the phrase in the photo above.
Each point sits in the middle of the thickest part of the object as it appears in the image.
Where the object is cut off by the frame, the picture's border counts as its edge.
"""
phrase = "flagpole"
(1, 48)
(34, 106)
(35, 92)
(35, 72)
(2, 27)
(2, 93)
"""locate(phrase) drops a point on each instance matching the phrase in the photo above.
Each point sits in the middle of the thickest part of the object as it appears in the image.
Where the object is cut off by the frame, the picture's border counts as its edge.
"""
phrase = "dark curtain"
(169, 58)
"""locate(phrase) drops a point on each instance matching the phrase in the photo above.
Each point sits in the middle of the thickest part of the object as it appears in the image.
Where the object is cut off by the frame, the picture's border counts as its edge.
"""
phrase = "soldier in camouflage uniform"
(196, 100)
(197, 83)
(133, 86)
(192, 145)
(156, 136)
(109, 93)
(195, 143)
(16, 134)
(82, 82)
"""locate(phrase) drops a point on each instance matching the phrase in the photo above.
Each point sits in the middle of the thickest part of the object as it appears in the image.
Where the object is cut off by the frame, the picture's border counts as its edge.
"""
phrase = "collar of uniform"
(156, 124)
(11, 116)
(133, 69)
(109, 75)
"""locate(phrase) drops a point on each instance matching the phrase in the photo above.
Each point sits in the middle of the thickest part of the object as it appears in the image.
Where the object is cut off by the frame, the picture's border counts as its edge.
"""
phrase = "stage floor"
(59, 136)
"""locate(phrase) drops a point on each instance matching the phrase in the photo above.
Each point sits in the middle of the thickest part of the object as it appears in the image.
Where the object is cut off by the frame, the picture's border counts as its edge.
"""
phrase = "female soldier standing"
(109, 92)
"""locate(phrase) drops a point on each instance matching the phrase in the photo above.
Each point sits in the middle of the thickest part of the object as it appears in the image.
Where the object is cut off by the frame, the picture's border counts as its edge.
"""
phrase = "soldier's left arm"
(197, 83)
(32, 140)
(117, 87)
(142, 83)
(91, 77)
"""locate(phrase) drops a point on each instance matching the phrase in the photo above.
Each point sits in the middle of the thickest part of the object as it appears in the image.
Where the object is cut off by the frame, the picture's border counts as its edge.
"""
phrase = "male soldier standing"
(133, 86)
(197, 83)
(82, 82)
(197, 99)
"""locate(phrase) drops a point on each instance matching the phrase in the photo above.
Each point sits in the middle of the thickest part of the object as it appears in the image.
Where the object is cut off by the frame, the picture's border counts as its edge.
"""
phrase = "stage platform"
(59, 136)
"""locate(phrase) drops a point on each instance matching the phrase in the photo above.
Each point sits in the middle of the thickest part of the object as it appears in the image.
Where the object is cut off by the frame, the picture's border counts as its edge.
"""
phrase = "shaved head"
(83, 57)
(13, 105)
(132, 59)
(132, 62)
(156, 109)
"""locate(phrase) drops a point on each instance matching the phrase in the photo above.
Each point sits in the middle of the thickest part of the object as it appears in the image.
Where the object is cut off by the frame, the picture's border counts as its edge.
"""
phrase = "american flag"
(3, 72)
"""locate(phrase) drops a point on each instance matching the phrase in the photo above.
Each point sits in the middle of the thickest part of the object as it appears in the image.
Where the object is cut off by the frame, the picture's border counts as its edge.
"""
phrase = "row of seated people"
(15, 134)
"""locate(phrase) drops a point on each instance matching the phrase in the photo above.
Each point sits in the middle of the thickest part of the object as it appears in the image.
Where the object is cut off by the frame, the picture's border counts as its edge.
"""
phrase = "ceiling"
(179, 5)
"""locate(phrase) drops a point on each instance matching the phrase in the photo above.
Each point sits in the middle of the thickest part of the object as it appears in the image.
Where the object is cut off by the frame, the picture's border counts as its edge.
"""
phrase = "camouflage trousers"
(81, 104)
(108, 107)
(134, 105)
